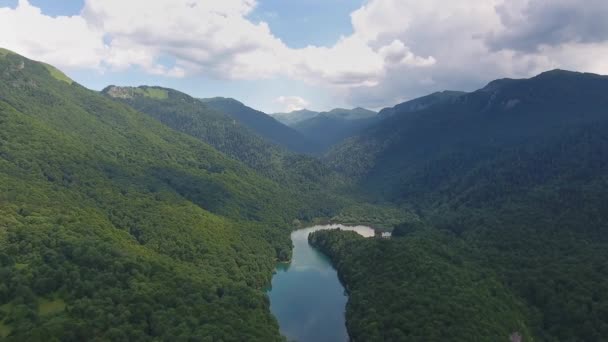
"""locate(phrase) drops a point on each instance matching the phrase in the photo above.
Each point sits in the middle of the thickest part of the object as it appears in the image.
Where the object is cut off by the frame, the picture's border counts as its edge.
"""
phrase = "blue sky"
(296, 22)
(318, 54)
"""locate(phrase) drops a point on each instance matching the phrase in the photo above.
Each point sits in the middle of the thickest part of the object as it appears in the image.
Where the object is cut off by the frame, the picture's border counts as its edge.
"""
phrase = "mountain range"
(294, 117)
(510, 186)
(143, 213)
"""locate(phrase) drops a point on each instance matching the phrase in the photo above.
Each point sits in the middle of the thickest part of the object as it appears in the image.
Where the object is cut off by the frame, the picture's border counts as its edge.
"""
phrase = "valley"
(143, 213)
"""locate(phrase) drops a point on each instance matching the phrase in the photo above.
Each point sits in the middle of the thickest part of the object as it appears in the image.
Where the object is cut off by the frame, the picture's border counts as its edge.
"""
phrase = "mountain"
(294, 117)
(510, 184)
(315, 183)
(330, 128)
(506, 113)
(421, 103)
(262, 123)
(191, 116)
(114, 226)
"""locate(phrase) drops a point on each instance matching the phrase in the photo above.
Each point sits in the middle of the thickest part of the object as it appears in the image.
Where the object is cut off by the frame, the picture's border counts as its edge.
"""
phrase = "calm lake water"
(306, 296)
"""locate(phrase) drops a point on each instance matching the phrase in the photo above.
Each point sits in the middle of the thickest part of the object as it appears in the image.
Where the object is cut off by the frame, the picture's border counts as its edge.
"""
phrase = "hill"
(262, 123)
(294, 117)
(330, 128)
(421, 103)
(513, 177)
(314, 183)
(116, 227)
(506, 113)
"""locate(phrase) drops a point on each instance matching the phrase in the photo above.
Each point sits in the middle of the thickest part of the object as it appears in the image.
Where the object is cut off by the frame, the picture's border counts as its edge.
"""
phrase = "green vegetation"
(329, 128)
(4, 52)
(318, 189)
(378, 216)
(57, 74)
(48, 307)
(155, 93)
(145, 214)
(5, 330)
(138, 232)
(262, 124)
(422, 103)
(419, 288)
(294, 117)
(511, 182)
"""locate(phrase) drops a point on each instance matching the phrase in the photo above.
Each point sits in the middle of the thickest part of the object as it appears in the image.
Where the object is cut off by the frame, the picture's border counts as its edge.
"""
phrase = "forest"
(138, 214)
(115, 227)
(515, 200)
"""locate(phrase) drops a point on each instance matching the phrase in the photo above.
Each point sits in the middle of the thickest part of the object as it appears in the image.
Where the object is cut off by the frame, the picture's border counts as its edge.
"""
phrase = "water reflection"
(306, 296)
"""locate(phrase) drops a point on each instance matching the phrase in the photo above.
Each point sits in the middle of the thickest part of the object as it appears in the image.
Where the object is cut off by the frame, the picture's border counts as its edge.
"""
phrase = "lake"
(307, 297)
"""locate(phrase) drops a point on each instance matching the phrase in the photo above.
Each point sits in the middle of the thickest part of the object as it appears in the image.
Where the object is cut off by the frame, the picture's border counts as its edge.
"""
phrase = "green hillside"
(294, 117)
(317, 187)
(330, 128)
(115, 227)
(263, 124)
(420, 288)
(422, 103)
(515, 175)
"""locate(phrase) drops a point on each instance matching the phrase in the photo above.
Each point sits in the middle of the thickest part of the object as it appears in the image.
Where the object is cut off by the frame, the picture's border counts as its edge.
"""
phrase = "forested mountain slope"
(421, 103)
(115, 227)
(329, 128)
(263, 124)
(457, 135)
(294, 117)
(514, 178)
(420, 288)
(314, 183)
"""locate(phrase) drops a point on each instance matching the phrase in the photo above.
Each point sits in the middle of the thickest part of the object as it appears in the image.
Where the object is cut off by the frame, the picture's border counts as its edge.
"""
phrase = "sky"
(283, 55)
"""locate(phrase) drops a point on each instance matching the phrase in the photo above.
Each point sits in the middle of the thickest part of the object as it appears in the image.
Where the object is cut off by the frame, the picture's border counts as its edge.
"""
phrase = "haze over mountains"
(294, 117)
(143, 213)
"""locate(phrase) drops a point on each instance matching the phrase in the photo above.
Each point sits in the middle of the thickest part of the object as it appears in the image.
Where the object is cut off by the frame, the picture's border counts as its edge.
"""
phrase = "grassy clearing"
(5, 330)
(48, 307)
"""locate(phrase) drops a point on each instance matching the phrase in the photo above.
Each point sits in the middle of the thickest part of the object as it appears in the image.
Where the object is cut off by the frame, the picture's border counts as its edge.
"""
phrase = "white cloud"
(64, 41)
(214, 38)
(530, 25)
(292, 103)
(398, 49)
(457, 34)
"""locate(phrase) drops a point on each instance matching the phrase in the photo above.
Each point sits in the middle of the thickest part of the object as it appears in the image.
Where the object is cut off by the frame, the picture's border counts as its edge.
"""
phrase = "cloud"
(472, 42)
(529, 25)
(64, 41)
(398, 49)
(292, 103)
(212, 38)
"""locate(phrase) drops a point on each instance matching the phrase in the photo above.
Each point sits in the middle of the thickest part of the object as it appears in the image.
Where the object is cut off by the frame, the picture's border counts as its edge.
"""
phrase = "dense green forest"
(320, 190)
(420, 288)
(263, 124)
(146, 214)
(327, 129)
(511, 182)
(115, 227)
(294, 117)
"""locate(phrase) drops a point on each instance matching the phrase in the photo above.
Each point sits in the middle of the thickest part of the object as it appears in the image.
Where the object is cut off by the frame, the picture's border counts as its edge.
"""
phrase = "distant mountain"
(294, 117)
(262, 123)
(504, 113)
(421, 103)
(350, 114)
(329, 128)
